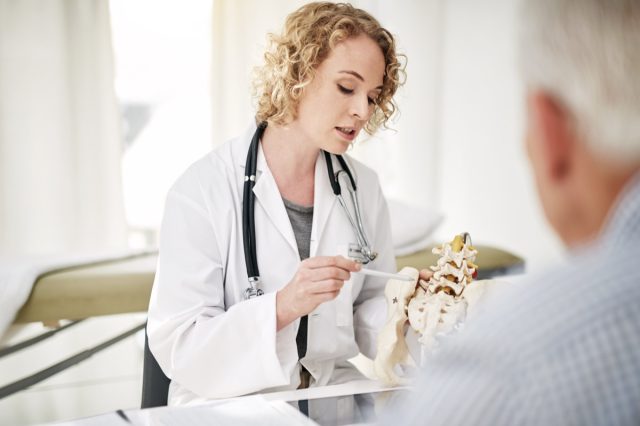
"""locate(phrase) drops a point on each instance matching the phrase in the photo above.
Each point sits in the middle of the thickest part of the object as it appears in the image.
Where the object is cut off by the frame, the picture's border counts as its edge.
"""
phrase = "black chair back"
(155, 385)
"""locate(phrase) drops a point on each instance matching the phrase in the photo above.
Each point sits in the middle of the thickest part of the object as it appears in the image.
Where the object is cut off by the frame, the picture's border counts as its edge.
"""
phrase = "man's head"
(580, 61)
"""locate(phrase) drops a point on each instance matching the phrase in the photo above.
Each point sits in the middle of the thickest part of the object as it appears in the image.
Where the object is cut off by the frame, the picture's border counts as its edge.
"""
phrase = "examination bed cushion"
(121, 286)
(101, 288)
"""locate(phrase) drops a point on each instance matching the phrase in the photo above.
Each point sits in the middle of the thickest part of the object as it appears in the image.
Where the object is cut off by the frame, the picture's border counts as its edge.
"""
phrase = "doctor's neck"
(288, 149)
(291, 156)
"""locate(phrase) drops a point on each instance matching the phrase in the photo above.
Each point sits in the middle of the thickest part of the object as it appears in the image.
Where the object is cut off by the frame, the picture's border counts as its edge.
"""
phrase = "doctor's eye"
(345, 90)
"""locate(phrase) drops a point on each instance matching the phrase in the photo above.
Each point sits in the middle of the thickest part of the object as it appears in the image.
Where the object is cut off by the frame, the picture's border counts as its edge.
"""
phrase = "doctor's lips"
(348, 133)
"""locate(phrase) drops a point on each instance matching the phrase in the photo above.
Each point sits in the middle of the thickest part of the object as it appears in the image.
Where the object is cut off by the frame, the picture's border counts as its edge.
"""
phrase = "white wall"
(486, 185)
(403, 155)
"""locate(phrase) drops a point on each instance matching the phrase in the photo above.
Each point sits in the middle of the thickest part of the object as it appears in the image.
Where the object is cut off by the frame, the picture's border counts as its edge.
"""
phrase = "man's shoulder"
(566, 300)
(594, 275)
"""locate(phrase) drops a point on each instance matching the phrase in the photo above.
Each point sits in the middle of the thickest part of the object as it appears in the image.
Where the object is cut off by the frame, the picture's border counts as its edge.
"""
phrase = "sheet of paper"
(248, 411)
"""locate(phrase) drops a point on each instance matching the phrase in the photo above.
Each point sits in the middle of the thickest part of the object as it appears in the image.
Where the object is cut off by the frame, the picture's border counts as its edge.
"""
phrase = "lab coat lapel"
(323, 203)
(269, 198)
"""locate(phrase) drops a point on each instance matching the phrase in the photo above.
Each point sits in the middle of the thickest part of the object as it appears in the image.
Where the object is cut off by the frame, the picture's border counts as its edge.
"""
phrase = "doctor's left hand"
(317, 280)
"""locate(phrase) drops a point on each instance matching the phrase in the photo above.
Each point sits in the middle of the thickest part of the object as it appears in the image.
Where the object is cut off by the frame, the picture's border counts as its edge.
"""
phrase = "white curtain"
(404, 157)
(60, 140)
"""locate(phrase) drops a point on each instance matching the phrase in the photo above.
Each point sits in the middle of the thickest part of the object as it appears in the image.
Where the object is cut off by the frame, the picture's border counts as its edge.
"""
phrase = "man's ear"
(555, 134)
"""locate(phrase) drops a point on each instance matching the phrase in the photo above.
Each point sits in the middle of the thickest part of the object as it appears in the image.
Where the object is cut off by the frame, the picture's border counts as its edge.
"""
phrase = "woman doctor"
(329, 75)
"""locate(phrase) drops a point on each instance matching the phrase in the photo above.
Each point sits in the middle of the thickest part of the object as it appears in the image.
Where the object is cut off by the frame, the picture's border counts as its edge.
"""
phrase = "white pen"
(380, 274)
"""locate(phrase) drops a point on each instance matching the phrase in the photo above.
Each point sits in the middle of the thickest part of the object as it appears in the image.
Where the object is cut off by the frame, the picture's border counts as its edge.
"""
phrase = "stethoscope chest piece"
(254, 289)
(362, 254)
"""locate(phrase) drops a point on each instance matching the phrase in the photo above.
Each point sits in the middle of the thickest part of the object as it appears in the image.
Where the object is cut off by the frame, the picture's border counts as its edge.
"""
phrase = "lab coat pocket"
(344, 305)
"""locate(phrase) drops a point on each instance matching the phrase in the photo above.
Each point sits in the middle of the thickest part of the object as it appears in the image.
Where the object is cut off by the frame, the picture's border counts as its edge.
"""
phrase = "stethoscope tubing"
(248, 207)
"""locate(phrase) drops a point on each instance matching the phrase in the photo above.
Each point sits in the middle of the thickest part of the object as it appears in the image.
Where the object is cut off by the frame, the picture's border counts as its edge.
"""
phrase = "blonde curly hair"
(310, 33)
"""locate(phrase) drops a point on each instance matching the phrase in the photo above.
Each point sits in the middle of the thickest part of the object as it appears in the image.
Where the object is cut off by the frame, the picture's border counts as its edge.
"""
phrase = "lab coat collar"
(268, 196)
(266, 191)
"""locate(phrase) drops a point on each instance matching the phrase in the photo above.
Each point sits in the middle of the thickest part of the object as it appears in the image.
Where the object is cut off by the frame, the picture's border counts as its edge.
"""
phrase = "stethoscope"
(361, 250)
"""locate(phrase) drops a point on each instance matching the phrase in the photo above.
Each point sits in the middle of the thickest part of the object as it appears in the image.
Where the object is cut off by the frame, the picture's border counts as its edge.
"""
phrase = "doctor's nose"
(360, 107)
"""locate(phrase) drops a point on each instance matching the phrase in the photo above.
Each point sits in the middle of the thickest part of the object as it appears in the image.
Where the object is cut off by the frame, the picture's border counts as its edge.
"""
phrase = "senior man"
(565, 347)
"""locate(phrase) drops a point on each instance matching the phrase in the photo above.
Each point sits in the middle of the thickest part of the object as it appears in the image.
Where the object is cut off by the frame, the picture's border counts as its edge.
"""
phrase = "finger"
(319, 261)
(337, 261)
(326, 297)
(425, 274)
(329, 295)
(325, 286)
(329, 272)
(348, 264)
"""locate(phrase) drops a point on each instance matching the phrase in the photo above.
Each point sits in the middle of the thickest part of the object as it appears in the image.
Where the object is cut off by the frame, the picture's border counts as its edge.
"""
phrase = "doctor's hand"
(317, 280)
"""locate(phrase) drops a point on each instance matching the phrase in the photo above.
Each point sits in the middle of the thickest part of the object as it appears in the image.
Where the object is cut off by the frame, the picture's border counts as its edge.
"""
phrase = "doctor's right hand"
(317, 280)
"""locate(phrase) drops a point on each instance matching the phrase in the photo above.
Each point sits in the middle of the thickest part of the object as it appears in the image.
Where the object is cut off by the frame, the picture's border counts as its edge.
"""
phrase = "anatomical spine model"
(431, 307)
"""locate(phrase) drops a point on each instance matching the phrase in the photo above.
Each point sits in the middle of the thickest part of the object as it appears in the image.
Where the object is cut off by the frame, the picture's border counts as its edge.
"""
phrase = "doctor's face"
(341, 98)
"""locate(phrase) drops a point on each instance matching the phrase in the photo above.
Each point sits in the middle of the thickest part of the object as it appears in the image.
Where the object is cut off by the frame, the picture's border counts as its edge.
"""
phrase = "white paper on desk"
(247, 411)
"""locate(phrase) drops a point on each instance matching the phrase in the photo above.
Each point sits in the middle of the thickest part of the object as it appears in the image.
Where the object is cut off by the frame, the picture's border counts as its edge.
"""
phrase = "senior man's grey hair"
(586, 53)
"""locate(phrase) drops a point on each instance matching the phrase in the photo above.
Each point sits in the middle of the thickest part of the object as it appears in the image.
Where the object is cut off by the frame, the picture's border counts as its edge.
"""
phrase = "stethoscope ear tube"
(333, 177)
(367, 254)
(335, 185)
(347, 170)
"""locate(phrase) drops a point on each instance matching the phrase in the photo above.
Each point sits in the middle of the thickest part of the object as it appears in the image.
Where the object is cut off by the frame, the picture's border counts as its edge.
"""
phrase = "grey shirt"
(301, 218)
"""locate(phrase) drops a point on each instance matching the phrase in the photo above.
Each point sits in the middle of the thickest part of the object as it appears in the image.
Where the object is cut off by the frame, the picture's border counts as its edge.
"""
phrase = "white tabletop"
(263, 409)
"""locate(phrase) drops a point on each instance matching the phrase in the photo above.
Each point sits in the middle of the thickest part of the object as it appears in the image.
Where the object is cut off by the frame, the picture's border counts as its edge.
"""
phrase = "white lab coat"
(209, 340)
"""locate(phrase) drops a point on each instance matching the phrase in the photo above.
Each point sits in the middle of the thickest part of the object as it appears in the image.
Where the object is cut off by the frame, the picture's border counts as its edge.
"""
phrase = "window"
(162, 54)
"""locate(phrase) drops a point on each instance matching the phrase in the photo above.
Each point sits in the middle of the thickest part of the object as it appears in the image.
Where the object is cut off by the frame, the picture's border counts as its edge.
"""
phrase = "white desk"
(358, 402)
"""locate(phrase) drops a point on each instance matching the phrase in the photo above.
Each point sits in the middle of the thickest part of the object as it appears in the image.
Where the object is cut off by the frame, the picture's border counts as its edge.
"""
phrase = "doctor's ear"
(553, 133)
